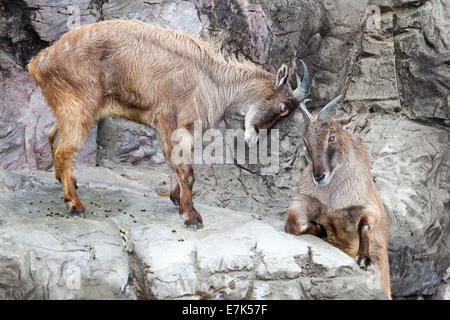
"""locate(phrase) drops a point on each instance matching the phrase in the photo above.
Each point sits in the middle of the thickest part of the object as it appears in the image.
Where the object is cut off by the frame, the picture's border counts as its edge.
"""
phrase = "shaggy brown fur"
(155, 76)
(347, 211)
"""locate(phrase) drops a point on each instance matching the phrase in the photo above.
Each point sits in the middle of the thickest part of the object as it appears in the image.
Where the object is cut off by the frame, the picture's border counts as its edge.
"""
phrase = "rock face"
(133, 245)
(138, 144)
(443, 291)
(389, 58)
(411, 167)
(68, 260)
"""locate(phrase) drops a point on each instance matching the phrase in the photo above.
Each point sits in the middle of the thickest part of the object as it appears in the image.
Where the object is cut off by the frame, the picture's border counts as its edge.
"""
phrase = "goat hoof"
(364, 262)
(193, 220)
(78, 214)
(77, 211)
(192, 227)
(321, 232)
(175, 201)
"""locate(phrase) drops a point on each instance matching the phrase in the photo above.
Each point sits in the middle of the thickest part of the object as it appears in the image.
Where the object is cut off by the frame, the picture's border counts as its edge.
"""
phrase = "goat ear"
(345, 121)
(282, 75)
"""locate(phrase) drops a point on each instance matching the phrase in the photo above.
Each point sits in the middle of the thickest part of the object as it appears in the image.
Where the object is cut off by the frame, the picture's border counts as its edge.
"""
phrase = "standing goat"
(158, 77)
(336, 198)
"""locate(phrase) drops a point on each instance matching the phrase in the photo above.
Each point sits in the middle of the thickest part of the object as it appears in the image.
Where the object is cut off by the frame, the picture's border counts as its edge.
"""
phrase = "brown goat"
(158, 77)
(336, 198)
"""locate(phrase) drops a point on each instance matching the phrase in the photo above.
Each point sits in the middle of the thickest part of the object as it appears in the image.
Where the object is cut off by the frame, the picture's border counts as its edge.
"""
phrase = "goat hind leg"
(70, 142)
(52, 139)
(192, 219)
(179, 160)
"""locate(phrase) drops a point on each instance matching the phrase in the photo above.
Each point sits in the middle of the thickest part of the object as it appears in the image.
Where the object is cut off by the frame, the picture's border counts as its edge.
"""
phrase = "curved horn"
(327, 111)
(305, 111)
(302, 86)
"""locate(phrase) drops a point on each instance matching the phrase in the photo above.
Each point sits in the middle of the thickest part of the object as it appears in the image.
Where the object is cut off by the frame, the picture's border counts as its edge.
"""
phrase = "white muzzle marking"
(250, 136)
(326, 180)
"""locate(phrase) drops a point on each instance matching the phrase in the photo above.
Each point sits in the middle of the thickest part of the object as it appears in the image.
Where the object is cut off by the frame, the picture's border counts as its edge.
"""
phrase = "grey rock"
(132, 244)
(421, 41)
(179, 15)
(443, 291)
(52, 18)
(45, 255)
(124, 141)
(64, 259)
(410, 164)
(19, 39)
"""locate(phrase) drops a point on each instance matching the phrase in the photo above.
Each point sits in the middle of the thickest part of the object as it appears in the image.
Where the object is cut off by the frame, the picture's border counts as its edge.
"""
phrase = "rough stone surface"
(138, 144)
(132, 244)
(179, 15)
(394, 75)
(52, 18)
(51, 259)
(443, 291)
(411, 166)
(421, 41)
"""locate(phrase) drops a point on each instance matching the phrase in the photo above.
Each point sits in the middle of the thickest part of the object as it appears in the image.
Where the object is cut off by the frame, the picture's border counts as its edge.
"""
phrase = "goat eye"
(331, 139)
(282, 107)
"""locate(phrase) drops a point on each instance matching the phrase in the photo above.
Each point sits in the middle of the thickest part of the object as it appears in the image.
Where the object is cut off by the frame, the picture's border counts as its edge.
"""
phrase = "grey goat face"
(325, 142)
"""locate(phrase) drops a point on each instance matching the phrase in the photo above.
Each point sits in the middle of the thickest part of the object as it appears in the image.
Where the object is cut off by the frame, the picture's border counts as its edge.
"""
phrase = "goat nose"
(319, 177)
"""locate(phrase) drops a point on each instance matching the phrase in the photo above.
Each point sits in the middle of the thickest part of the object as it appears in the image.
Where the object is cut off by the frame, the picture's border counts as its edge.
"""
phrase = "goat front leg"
(178, 149)
(363, 258)
(192, 219)
(300, 218)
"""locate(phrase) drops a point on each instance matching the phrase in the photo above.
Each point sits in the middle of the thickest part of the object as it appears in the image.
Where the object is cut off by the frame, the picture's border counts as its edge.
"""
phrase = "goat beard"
(250, 136)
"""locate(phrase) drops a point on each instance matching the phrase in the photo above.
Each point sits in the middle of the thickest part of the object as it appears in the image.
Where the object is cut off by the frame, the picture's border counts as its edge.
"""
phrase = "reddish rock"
(25, 120)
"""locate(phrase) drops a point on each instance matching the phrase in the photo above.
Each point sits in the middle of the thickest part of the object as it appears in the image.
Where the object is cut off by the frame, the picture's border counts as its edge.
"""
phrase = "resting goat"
(336, 198)
(158, 77)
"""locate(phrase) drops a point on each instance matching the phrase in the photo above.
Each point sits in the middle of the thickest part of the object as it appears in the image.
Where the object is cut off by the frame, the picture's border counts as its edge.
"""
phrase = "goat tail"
(36, 66)
(33, 69)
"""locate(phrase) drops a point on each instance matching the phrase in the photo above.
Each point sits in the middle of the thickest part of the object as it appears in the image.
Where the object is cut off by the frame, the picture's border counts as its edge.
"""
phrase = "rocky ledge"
(132, 245)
